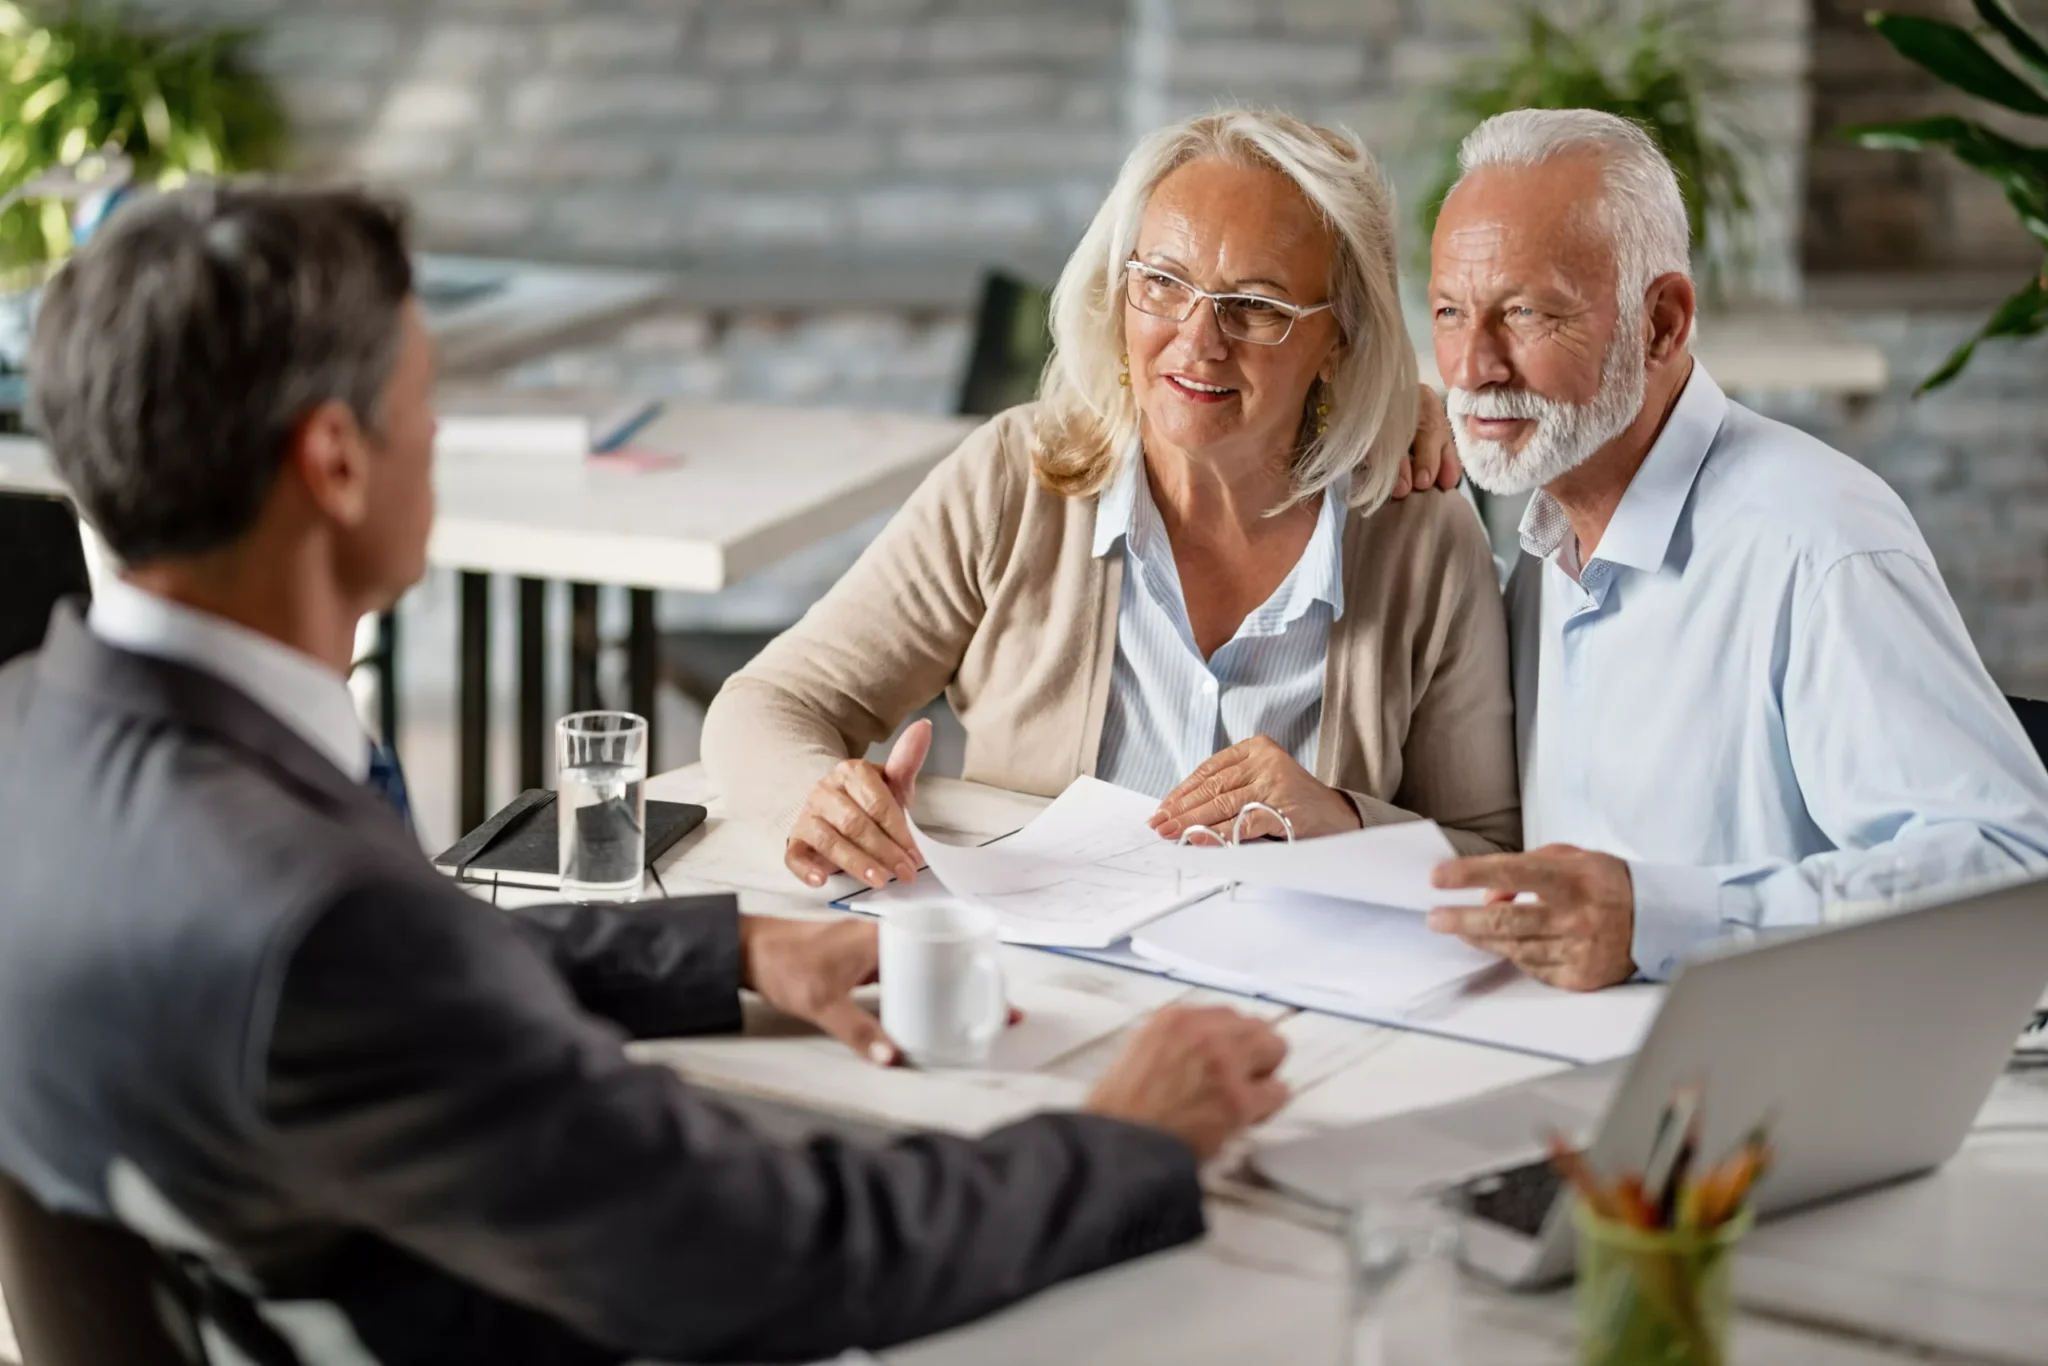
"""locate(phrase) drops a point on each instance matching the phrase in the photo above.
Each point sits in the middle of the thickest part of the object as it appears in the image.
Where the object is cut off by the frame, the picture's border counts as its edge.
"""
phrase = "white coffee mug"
(942, 983)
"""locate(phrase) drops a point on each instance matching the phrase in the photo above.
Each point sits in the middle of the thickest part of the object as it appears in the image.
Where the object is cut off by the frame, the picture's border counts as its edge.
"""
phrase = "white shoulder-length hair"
(1087, 419)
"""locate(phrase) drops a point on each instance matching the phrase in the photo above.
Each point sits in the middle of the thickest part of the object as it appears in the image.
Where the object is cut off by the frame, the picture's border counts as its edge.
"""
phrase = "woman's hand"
(1432, 461)
(856, 820)
(1255, 770)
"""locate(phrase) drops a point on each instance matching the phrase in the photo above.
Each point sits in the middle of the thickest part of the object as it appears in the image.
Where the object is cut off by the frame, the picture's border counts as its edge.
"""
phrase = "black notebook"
(521, 845)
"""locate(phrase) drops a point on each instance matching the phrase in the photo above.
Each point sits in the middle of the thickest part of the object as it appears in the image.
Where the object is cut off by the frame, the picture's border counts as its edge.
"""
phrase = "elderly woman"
(1180, 570)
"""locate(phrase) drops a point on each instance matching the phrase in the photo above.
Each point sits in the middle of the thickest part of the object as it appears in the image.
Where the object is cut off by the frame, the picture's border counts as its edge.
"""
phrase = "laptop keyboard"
(1518, 1198)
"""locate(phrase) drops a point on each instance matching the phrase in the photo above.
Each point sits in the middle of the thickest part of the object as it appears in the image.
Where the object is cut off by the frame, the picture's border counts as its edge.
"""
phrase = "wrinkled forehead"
(1527, 227)
(1235, 223)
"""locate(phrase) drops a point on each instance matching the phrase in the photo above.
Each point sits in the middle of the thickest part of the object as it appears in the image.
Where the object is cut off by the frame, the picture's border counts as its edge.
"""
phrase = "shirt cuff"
(1677, 912)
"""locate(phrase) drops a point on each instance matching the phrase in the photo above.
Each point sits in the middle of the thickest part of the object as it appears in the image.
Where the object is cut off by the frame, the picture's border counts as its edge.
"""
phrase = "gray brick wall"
(648, 131)
(664, 130)
(656, 130)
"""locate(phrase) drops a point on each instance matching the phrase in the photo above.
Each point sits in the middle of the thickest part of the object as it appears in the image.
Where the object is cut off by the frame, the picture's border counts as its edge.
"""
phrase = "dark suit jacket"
(378, 1119)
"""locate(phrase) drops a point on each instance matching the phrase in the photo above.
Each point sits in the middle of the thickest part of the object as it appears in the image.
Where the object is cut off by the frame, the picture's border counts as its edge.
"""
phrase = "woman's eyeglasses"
(1242, 317)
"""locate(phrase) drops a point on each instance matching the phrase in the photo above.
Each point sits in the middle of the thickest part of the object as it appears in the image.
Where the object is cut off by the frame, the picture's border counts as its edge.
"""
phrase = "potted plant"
(1970, 61)
(1649, 63)
(93, 100)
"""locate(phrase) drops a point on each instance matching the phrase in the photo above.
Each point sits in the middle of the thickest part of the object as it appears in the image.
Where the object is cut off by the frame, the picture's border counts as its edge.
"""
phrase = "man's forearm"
(656, 969)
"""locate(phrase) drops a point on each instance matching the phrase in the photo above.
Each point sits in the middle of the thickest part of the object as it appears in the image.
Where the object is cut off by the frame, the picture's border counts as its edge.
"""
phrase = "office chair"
(1012, 341)
(85, 1293)
(42, 560)
(2034, 721)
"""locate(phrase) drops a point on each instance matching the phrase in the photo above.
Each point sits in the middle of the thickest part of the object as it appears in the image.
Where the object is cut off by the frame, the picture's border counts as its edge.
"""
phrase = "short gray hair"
(1642, 210)
(176, 354)
(1087, 419)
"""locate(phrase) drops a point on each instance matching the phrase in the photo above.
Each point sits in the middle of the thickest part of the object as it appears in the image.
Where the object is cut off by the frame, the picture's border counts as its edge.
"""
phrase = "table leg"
(583, 648)
(474, 669)
(643, 665)
(387, 678)
(533, 681)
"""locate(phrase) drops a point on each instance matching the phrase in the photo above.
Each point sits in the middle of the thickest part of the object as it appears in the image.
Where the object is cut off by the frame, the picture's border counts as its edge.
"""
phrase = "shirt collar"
(1116, 507)
(1639, 533)
(296, 689)
(1317, 577)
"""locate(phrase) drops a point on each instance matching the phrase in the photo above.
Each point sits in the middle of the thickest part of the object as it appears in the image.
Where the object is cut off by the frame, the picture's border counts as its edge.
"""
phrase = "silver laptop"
(1874, 1046)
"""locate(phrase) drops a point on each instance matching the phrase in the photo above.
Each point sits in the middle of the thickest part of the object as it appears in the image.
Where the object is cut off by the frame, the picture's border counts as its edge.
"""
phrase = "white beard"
(1566, 434)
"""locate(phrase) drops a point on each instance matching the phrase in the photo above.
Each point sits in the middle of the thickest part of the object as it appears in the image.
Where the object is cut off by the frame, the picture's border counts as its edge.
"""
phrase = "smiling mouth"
(1198, 390)
(1491, 427)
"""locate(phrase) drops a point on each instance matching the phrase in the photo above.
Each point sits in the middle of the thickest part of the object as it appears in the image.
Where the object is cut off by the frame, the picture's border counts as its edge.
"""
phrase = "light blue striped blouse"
(1169, 709)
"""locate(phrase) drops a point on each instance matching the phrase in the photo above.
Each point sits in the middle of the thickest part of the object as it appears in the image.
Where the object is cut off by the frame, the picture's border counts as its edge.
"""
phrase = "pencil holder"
(1654, 1297)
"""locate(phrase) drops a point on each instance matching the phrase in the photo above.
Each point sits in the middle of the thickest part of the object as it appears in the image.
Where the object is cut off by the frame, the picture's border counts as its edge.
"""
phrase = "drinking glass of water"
(600, 779)
(1410, 1300)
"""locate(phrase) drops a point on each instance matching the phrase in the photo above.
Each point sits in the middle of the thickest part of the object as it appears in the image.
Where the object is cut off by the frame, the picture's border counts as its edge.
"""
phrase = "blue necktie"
(387, 780)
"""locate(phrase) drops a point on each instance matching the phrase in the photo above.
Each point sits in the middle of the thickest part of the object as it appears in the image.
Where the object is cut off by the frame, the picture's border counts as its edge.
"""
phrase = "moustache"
(1507, 404)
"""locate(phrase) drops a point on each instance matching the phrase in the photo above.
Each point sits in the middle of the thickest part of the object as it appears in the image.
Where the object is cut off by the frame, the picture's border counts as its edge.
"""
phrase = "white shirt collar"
(295, 688)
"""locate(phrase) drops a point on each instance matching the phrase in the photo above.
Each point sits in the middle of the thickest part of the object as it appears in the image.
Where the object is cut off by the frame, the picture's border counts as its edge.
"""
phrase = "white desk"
(753, 484)
(1854, 1283)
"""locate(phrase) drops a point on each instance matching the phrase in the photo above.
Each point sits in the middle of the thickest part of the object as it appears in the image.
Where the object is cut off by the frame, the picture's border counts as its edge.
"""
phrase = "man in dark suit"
(374, 1119)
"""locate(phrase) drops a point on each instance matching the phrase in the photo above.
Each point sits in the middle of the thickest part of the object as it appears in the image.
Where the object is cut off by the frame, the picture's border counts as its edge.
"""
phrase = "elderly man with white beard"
(1745, 701)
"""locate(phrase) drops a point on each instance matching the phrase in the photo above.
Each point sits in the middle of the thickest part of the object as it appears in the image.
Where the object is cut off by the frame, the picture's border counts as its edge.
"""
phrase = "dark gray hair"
(175, 356)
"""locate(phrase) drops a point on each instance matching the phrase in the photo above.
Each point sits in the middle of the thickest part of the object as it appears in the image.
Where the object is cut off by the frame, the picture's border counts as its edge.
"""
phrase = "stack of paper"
(536, 424)
(1332, 924)
(1383, 865)
(1383, 959)
(1084, 874)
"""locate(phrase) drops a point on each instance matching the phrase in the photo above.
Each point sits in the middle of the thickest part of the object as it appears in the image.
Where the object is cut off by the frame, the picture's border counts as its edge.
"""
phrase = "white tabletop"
(1945, 1269)
(1858, 1282)
(750, 485)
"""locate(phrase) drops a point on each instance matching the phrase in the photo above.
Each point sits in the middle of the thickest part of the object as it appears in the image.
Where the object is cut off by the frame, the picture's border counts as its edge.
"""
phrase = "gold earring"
(1125, 378)
(1323, 414)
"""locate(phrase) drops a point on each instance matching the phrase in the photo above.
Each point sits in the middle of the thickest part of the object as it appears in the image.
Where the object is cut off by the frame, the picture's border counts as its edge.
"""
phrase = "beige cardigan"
(985, 586)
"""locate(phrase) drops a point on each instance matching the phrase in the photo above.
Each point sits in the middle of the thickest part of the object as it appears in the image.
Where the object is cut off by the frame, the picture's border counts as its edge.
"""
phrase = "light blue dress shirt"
(1169, 709)
(1759, 693)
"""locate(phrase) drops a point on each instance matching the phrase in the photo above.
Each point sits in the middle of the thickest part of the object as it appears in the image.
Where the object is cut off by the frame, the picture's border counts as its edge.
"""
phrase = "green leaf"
(2024, 314)
(2017, 35)
(1664, 72)
(1952, 53)
(44, 100)
(2018, 169)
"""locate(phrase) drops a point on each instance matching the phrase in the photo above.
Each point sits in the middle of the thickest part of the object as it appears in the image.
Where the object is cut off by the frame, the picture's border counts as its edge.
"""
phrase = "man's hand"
(811, 968)
(1203, 1074)
(1254, 770)
(1575, 934)
(854, 820)
(1432, 461)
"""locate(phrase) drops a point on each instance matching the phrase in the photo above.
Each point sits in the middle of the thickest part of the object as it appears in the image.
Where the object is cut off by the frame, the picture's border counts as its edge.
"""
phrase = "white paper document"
(1517, 1011)
(1385, 865)
(1383, 958)
(1086, 872)
(1499, 1006)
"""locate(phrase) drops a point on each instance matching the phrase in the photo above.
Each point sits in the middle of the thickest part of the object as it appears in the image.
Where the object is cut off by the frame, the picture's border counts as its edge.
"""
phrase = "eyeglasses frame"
(1295, 312)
